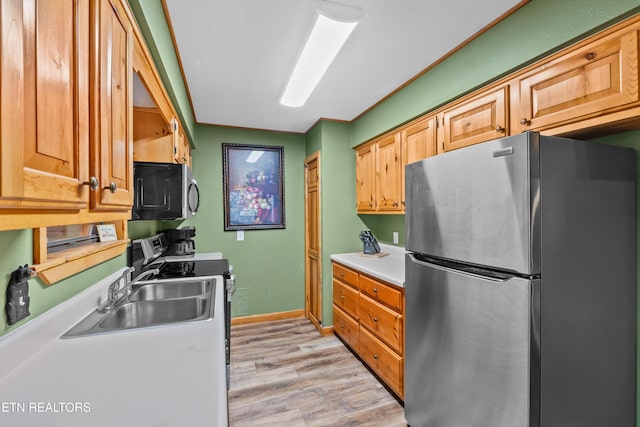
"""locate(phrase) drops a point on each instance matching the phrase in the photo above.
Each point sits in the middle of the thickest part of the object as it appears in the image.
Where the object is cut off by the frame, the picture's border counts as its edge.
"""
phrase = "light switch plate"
(240, 235)
(395, 237)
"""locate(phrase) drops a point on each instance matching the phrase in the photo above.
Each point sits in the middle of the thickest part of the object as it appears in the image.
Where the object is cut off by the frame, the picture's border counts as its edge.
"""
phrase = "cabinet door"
(388, 177)
(45, 103)
(599, 77)
(365, 178)
(481, 118)
(418, 142)
(112, 127)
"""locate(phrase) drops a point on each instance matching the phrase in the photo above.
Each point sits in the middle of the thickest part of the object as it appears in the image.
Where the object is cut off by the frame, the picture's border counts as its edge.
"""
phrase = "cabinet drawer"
(385, 294)
(345, 275)
(598, 77)
(346, 327)
(383, 361)
(346, 298)
(384, 323)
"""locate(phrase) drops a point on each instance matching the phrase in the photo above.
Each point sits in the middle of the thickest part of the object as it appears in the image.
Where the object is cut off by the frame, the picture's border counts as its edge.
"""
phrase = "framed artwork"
(253, 181)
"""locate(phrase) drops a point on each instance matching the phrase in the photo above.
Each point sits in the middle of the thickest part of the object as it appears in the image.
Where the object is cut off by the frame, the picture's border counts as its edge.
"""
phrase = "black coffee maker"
(180, 241)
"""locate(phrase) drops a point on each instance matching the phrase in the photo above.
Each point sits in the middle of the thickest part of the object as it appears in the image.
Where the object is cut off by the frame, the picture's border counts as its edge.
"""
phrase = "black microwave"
(164, 191)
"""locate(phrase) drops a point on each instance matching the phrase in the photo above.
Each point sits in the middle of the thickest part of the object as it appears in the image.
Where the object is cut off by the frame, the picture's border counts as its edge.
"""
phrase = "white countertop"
(164, 376)
(389, 268)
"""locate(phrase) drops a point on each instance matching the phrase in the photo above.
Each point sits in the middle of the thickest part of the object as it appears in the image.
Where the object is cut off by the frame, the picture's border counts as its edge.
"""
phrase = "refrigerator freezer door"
(468, 344)
(483, 199)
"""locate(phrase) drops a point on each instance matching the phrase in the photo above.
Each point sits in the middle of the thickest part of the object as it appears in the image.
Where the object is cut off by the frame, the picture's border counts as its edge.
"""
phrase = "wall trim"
(257, 318)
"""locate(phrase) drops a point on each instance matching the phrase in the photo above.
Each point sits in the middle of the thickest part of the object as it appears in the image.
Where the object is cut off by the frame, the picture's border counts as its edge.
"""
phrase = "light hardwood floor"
(283, 373)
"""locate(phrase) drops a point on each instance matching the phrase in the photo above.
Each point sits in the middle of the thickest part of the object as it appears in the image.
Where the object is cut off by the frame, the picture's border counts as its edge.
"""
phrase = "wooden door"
(599, 77)
(418, 141)
(388, 173)
(112, 125)
(313, 254)
(45, 103)
(481, 118)
(365, 178)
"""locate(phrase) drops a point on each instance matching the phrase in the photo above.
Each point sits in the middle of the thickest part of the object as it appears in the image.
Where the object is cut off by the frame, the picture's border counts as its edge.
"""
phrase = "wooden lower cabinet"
(368, 315)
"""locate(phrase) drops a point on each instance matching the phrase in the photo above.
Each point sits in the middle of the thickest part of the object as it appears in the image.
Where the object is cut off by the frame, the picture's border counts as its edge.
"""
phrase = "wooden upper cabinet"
(365, 178)
(592, 80)
(481, 118)
(388, 173)
(45, 104)
(418, 141)
(112, 112)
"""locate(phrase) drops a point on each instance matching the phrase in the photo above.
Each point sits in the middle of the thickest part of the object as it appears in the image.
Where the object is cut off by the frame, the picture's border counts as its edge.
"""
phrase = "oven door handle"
(231, 286)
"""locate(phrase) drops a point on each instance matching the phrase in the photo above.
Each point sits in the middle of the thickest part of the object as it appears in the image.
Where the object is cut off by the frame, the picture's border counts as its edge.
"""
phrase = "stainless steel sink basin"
(167, 290)
(149, 313)
(152, 304)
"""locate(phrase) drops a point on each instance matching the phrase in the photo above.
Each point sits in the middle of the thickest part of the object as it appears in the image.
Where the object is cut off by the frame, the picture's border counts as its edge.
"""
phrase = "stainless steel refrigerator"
(521, 285)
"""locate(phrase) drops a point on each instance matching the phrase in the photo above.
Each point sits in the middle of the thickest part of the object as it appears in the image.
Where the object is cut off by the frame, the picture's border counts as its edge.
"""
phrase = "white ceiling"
(237, 54)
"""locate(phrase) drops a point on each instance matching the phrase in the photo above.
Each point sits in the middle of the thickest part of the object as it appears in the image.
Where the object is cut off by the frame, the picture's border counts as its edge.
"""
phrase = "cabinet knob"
(500, 129)
(341, 296)
(524, 121)
(92, 183)
(375, 319)
(375, 356)
(112, 187)
(590, 56)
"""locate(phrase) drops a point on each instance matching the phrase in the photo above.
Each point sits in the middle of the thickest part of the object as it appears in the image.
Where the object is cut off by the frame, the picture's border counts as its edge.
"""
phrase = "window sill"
(71, 261)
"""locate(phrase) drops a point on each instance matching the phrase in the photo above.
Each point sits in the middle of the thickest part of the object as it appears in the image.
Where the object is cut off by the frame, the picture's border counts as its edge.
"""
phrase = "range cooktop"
(189, 268)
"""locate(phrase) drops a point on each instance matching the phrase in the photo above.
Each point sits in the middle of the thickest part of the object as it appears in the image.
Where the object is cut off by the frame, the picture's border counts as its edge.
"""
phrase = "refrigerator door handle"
(490, 276)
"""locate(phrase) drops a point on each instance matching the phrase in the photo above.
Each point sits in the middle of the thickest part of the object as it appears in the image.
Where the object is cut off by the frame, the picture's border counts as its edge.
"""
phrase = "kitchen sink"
(152, 304)
(167, 290)
(149, 313)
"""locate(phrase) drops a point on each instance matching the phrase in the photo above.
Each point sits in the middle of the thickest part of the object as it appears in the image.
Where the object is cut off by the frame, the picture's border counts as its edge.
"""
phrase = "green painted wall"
(17, 250)
(269, 264)
(340, 225)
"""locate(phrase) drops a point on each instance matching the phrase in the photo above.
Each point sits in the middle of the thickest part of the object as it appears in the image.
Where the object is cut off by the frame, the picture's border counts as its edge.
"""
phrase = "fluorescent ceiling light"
(254, 156)
(323, 44)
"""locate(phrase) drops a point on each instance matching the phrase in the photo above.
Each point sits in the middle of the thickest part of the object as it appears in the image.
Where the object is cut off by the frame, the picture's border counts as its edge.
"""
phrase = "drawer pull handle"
(375, 290)
(341, 296)
(375, 356)
(375, 319)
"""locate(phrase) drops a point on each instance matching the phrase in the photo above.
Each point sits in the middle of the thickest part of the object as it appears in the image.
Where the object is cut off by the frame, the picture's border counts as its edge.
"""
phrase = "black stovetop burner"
(171, 269)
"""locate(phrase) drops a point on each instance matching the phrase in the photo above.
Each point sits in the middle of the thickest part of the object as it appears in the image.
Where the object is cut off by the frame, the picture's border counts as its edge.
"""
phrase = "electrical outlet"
(395, 237)
(240, 235)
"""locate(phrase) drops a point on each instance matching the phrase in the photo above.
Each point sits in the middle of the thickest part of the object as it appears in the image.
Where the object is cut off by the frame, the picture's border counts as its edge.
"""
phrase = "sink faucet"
(144, 274)
(117, 290)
